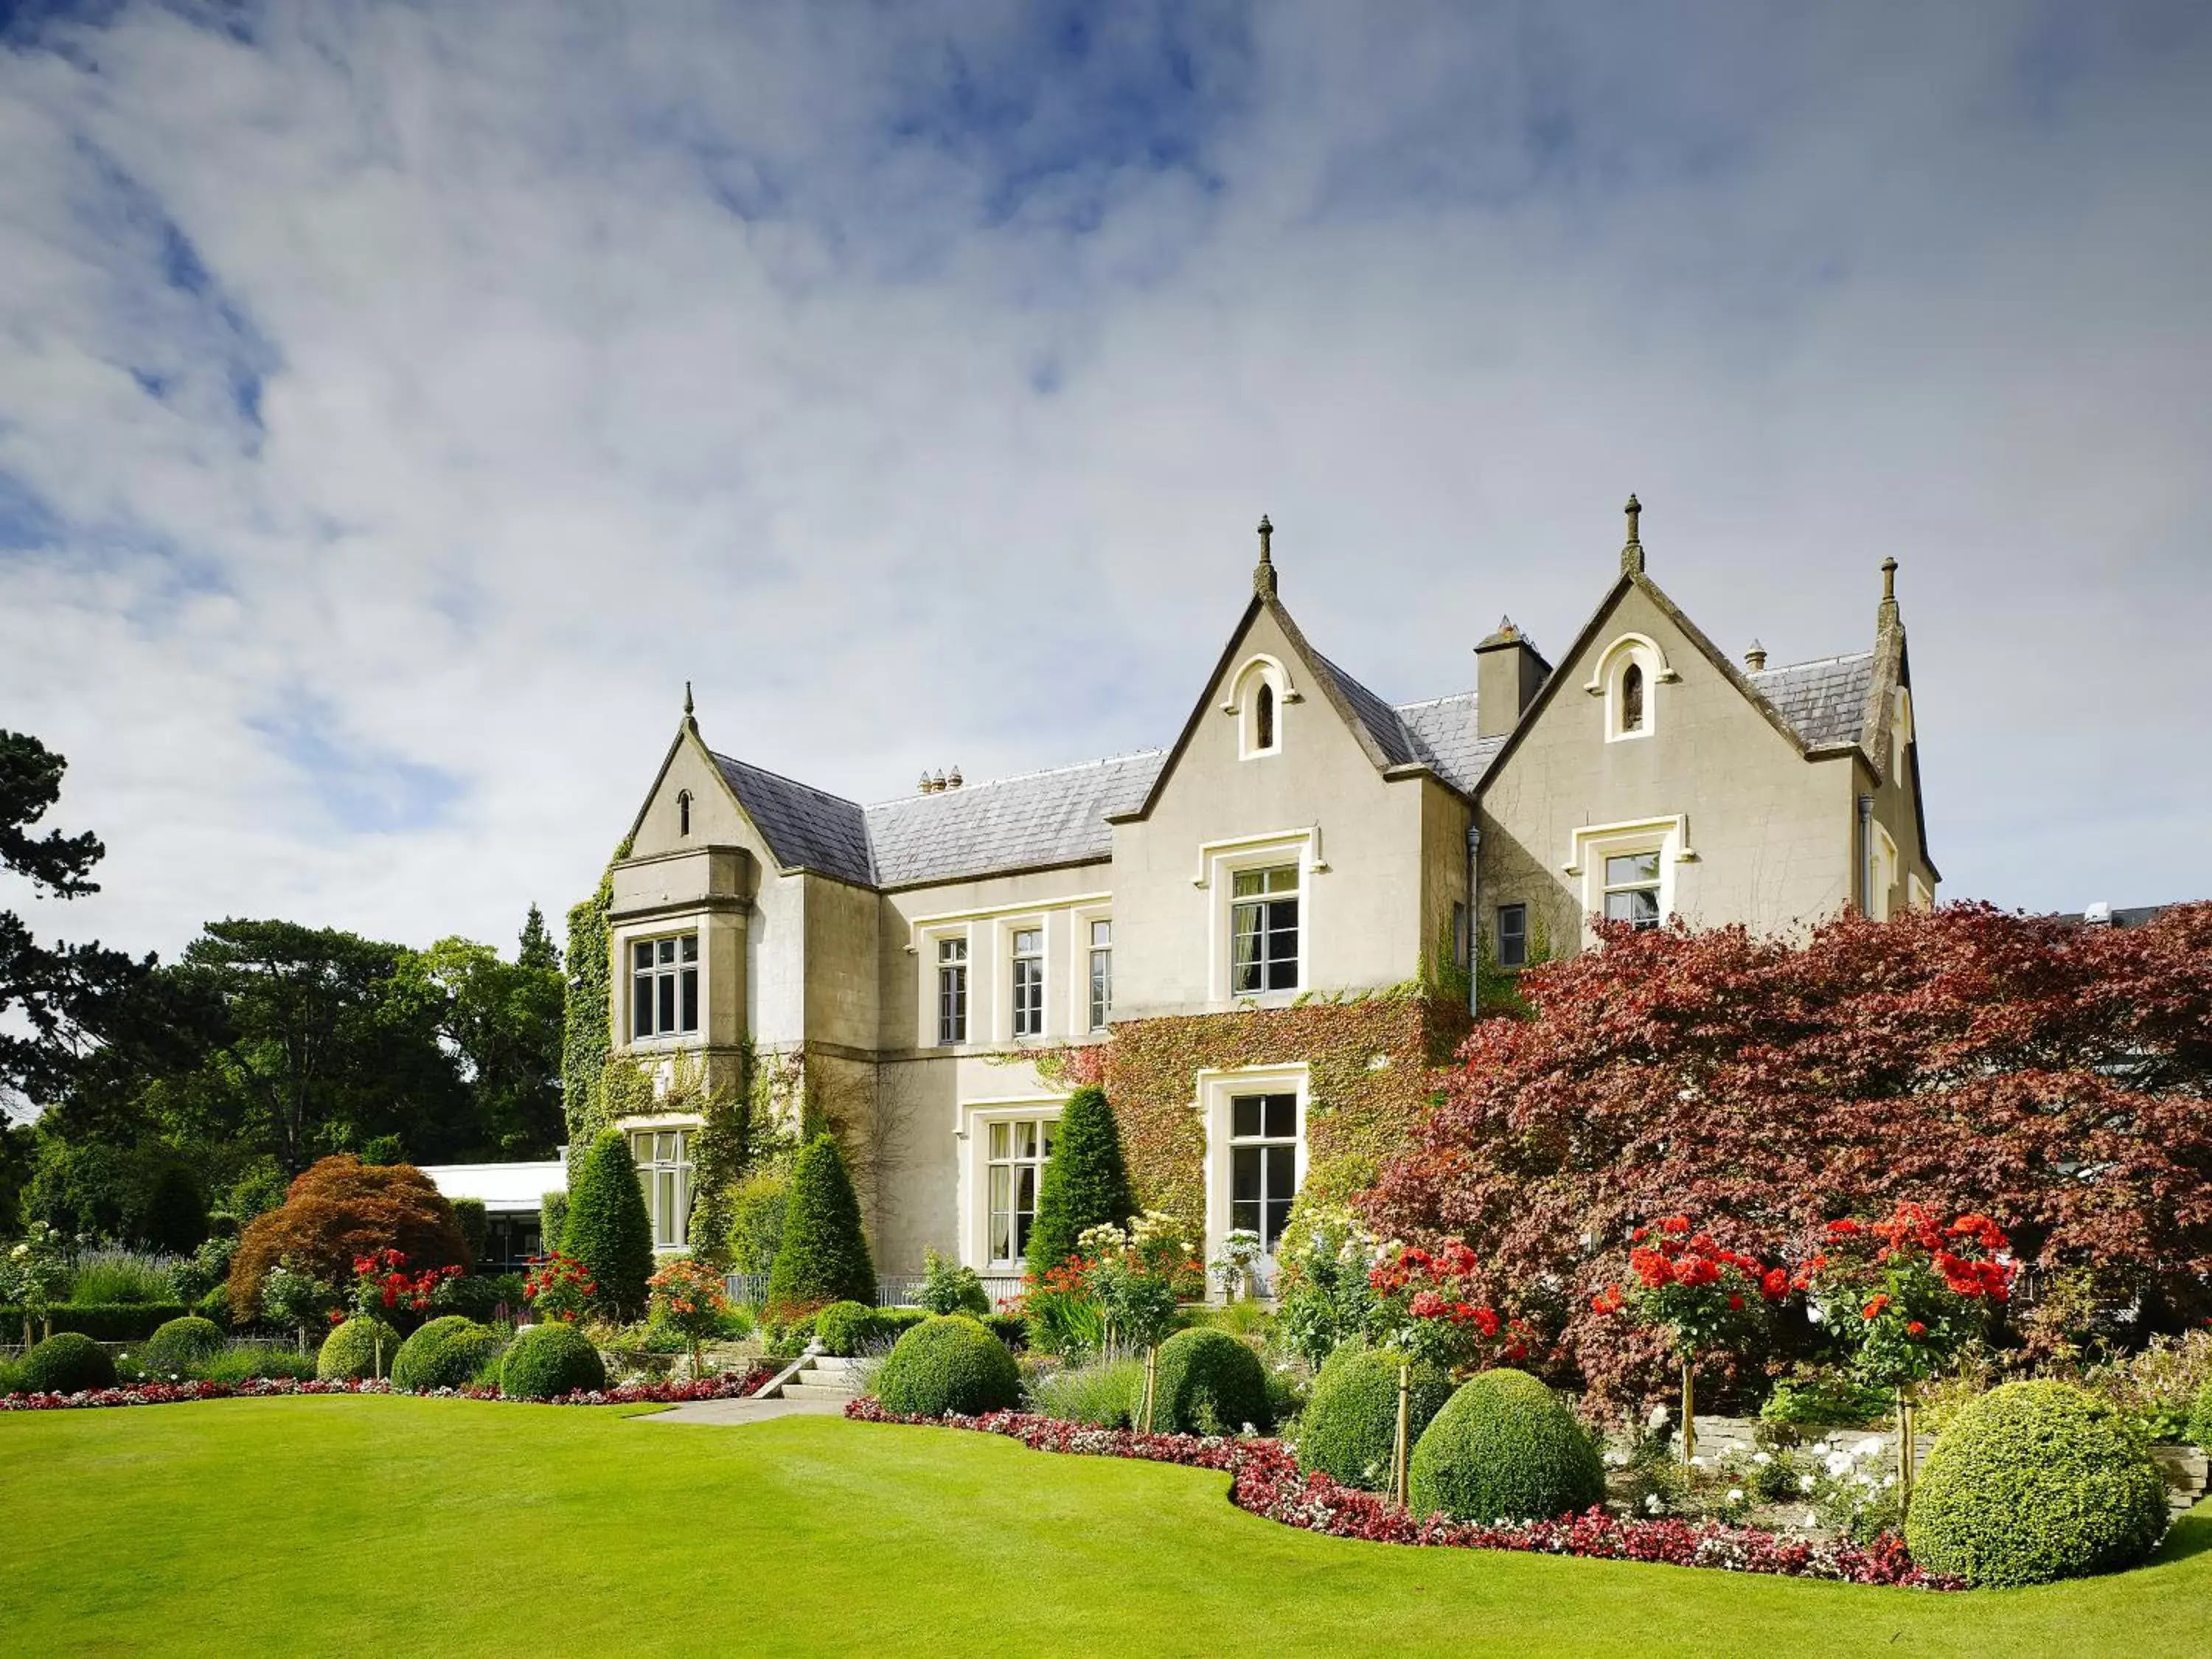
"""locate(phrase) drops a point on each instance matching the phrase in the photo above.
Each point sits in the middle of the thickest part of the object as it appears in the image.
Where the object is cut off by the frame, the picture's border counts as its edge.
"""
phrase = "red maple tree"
(2052, 1076)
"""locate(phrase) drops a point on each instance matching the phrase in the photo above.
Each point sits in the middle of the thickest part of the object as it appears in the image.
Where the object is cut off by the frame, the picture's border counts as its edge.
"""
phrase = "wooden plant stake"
(1689, 1414)
(1152, 1383)
(1402, 1475)
(1903, 1447)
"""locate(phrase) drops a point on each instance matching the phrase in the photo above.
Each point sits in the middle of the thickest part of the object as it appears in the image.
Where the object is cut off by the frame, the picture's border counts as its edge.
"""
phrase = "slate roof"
(1020, 822)
(1060, 816)
(1825, 702)
(805, 827)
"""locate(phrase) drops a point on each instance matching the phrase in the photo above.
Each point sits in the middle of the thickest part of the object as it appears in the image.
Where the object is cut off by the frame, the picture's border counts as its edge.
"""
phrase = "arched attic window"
(1631, 698)
(1628, 679)
(1260, 690)
(683, 812)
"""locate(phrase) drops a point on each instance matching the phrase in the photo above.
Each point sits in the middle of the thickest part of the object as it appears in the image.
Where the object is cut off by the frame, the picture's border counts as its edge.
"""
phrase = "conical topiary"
(824, 1255)
(1084, 1182)
(608, 1230)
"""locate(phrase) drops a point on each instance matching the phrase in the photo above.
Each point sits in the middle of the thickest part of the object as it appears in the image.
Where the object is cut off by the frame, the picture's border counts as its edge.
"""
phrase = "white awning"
(503, 1188)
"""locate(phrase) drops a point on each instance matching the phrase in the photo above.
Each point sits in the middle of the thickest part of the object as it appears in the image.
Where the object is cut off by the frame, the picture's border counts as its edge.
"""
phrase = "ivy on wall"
(1369, 1059)
(586, 1018)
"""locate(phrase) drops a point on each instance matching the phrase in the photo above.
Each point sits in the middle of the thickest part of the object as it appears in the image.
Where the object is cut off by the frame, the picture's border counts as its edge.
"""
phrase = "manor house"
(1256, 936)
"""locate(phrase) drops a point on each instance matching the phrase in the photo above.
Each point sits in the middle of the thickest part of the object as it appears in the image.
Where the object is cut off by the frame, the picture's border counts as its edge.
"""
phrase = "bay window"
(663, 987)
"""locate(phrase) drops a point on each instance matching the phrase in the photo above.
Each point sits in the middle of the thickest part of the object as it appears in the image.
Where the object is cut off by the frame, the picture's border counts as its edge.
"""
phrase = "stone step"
(813, 1391)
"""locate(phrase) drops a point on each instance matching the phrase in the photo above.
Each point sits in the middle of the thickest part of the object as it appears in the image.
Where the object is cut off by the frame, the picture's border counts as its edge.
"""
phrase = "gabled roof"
(1443, 734)
(1825, 702)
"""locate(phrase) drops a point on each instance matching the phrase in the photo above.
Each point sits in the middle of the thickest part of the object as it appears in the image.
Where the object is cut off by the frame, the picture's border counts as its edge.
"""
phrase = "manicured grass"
(445, 1527)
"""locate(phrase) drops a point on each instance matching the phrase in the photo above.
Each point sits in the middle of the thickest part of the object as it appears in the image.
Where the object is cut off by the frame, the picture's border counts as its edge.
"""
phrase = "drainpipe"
(1473, 918)
(1866, 856)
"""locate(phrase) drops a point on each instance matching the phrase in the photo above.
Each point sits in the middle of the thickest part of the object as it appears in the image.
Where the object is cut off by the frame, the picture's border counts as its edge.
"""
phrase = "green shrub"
(948, 1362)
(121, 1278)
(756, 1212)
(443, 1354)
(1504, 1448)
(67, 1362)
(173, 1217)
(2035, 1481)
(1828, 1402)
(126, 1322)
(1010, 1329)
(845, 1329)
(475, 1222)
(786, 1336)
(552, 1221)
(608, 1230)
(180, 1345)
(948, 1288)
(824, 1255)
(2200, 1420)
(1350, 1425)
(472, 1297)
(1097, 1393)
(245, 1362)
(1207, 1382)
(1086, 1183)
(11, 1377)
(351, 1350)
(546, 1361)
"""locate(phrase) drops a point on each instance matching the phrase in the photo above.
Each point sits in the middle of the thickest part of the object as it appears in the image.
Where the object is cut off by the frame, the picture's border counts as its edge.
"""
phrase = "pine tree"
(1085, 1184)
(608, 1230)
(535, 947)
(824, 1255)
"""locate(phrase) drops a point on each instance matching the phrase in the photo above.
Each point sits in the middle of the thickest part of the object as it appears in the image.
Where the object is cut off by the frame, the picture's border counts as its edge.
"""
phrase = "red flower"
(1675, 1223)
(1735, 1303)
(1873, 1309)
(1915, 1328)
(1775, 1285)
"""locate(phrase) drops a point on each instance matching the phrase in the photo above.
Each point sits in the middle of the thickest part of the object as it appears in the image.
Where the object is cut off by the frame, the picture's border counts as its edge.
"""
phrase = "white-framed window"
(951, 990)
(1630, 674)
(1632, 888)
(1263, 1164)
(663, 987)
(1262, 689)
(1015, 1153)
(684, 812)
(1264, 930)
(1100, 988)
(1028, 981)
(1255, 1150)
(1627, 870)
(1512, 936)
(664, 1170)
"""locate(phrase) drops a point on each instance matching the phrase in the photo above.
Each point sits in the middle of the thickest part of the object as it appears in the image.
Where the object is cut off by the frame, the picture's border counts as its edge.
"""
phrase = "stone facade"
(933, 963)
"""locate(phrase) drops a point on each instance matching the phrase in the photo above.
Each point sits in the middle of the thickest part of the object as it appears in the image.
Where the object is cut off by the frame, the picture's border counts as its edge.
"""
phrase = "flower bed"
(173, 1394)
(1264, 1479)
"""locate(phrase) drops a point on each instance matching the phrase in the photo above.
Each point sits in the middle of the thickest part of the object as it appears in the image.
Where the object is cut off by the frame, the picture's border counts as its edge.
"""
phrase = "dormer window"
(1631, 698)
(683, 812)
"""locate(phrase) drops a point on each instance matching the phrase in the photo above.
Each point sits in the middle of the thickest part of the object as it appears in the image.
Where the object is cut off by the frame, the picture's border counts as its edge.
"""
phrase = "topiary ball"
(948, 1363)
(1350, 1428)
(349, 1352)
(845, 1328)
(2200, 1420)
(176, 1347)
(546, 1361)
(445, 1353)
(2035, 1481)
(1504, 1448)
(1207, 1382)
(67, 1363)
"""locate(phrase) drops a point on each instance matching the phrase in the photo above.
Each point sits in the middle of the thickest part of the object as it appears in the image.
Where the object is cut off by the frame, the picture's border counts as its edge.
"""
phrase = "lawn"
(373, 1525)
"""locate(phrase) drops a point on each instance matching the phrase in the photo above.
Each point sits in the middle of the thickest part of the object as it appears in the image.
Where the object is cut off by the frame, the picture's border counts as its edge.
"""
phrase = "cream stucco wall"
(1363, 914)
(1771, 833)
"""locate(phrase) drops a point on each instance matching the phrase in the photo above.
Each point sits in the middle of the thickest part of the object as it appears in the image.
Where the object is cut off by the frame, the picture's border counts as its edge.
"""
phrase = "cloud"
(397, 405)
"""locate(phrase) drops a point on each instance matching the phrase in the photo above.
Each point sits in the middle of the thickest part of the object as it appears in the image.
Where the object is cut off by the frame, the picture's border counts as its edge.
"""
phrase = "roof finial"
(1755, 658)
(1886, 616)
(1263, 573)
(687, 700)
(1632, 550)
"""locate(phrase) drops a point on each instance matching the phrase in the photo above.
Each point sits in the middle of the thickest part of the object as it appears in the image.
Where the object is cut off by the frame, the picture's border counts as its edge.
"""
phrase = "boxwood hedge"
(181, 1344)
(1351, 1423)
(67, 1362)
(1504, 1448)
(1207, 1382)
(445, 1353)
(546, 1361)
(948, 1362)
(350, 1351)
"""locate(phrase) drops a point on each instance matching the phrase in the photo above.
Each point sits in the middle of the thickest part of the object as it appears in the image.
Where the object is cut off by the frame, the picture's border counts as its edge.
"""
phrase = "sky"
(399, 404)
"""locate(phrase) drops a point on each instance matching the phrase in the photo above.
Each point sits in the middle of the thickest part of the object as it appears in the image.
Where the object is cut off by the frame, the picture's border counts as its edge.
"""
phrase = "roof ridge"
(1018, 777)
(1431, 702)
(1809, 662)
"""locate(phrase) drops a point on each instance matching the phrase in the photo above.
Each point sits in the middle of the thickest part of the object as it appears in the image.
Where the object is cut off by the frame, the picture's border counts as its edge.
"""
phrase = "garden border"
(269, 1387)
(1265, 1480)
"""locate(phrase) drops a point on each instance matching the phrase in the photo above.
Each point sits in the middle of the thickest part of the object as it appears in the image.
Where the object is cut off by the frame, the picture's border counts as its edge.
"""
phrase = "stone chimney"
(1754, 660)
(1508, 674)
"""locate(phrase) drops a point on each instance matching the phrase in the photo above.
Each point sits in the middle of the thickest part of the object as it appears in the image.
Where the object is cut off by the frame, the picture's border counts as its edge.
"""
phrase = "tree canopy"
(2050, 1075)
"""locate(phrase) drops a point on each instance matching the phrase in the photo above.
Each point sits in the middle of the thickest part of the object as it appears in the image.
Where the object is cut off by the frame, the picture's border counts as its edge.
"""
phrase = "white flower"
(1888, 1481)
(1811, 1519)
(1805, 1483)
(1839, 1464)
(1614, 1460)
(1658, 1417)
(1697, 1463)
(1870, 1448)
(1818, 1447)
(1736, 1495)
(1762, 1459)
(1652, 1504)
(1813, 1312)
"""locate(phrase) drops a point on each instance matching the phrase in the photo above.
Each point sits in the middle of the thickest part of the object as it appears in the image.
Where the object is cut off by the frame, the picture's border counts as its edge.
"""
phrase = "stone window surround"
(1220, 861)
(690, 1123)
(990, 934)
(1257, 669)
(1216, 1089)
(1644, 651)
(972, 1178)
(1592, 844)
(624, 941)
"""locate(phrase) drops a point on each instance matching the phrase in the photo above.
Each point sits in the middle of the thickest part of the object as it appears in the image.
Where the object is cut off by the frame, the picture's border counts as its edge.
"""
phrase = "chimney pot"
(952, 778)
(1755, 658)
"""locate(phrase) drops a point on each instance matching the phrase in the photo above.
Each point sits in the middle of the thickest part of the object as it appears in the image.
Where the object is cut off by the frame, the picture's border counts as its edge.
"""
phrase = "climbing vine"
(588, 1017)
